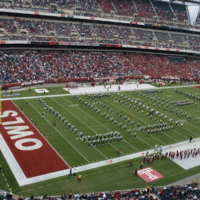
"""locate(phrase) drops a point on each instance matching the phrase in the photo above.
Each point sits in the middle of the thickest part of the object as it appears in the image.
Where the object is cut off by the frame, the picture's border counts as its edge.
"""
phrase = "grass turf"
(8, 181)
(114, 176)
(27, 93)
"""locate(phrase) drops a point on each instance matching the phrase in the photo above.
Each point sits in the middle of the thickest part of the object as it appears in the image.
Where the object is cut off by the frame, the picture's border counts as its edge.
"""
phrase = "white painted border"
(12, 162)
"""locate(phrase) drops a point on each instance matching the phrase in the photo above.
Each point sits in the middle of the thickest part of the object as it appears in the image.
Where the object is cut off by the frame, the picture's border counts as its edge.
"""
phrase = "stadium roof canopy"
(188, 1)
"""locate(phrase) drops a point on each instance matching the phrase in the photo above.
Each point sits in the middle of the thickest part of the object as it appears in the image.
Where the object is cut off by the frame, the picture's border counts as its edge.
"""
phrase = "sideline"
(63, 95)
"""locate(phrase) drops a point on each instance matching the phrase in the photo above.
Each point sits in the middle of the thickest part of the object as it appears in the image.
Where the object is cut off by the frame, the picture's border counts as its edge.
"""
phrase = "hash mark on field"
(108, 170)
(50, 185)
(29, 190)
(40, 187)
(93, 173)
(85, 175)
(92, 118)
(100, 171)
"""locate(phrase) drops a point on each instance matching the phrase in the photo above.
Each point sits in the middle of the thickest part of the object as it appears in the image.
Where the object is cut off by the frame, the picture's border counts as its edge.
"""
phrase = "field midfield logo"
(149, 174)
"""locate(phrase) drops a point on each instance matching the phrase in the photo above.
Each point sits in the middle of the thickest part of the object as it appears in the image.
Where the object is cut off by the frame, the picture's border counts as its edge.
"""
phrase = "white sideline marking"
(40, 187)
(25, 181)
(14, 166)
(62, 95)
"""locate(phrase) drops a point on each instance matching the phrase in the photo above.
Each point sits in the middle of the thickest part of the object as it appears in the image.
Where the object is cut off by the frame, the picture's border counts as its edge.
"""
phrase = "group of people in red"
(183, 153)
(151, 159)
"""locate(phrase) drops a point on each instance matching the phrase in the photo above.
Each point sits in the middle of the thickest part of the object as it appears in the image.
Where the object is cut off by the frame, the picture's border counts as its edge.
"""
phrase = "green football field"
(30, 92)
(85, 119)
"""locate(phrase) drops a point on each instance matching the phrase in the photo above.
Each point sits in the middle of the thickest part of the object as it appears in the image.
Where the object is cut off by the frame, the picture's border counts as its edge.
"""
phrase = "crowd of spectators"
(194, 65)
(188, 191)
(145, 9)
(45, 65)
(103, 34)
(8, 25)
(60, 28)
(179, 39)
(162, 37)
(116, 9)
(134, 194)
(90, 5)
(163, 10)
(180, 12)
(125, 7)
(105, 31)
(32, 26)
(194, 42)
(197, 21)
(85, 30)
(106, 6)
(180, 192)
(143, 35)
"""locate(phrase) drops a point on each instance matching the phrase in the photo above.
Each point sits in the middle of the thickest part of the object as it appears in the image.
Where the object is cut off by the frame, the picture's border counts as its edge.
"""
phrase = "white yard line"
(139, 118)
(61, 134)
(96, 121)
(43, 136)
(187, 121)
(168, 135)
(100, 152)
(62, 95)
(80, 121)
(108, 128)
(142, 140)
(183, 126)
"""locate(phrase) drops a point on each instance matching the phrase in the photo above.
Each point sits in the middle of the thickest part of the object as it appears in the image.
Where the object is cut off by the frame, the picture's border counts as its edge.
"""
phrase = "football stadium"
(99, 99)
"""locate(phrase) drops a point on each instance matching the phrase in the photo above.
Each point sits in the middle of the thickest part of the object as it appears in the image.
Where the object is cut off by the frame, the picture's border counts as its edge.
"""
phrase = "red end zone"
(33, 153)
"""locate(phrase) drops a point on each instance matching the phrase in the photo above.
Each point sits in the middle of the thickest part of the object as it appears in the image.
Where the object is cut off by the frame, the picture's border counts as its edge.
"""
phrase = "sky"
(193, 10)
